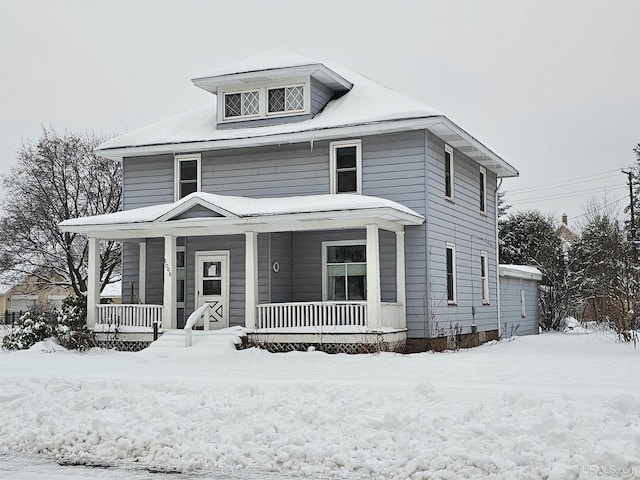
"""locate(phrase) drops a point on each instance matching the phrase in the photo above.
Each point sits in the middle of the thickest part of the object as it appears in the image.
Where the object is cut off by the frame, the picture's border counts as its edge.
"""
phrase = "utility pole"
(634, 239)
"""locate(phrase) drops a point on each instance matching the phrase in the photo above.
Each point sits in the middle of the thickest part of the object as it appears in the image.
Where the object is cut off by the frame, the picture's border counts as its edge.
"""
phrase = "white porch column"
(93, 282)
(251, 279)
(142, 272)
(373, 278)
(169, 297)
(401, 292)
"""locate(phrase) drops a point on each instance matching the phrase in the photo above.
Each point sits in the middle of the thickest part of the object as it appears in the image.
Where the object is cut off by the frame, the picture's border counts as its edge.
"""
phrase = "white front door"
(212, 287)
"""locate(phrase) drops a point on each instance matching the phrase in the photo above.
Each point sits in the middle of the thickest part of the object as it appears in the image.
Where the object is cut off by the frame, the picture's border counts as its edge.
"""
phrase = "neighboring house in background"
(35, 290)
(566, 236)
(312, 206)
(519, 299)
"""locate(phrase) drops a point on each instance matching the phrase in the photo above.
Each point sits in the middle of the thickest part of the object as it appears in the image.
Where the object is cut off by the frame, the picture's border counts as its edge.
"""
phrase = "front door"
(212, 287)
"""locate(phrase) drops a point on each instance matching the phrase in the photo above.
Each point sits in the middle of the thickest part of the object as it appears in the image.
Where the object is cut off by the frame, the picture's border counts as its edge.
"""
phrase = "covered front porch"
(304, 271)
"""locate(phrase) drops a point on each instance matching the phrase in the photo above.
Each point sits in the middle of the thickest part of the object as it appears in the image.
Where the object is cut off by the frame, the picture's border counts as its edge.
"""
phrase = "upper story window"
(264, 99)
(187, 175)
(448, 172)
(242, 104)
(483, 190)
(286, 99)
(346, 166)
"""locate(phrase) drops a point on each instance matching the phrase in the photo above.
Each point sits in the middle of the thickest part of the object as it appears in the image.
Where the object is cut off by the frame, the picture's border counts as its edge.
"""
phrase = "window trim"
(449, 149)
(523, 304)
(454, 299)
(483, 190)
(241, 92)
(286, 112)
(333, 176)
(181, 249)
(176, 172)
(484, 259)
(337, 243)
(263, 98)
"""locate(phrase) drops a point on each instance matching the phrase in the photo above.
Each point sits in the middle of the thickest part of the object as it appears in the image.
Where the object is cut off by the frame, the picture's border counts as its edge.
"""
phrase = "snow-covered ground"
(555, 406)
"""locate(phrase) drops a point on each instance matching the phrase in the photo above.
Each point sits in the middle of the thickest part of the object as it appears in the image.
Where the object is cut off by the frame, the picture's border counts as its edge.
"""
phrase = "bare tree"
(55, 179)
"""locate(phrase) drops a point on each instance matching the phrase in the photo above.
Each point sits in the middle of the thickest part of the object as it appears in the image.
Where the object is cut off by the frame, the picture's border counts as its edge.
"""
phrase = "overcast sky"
(551, 86)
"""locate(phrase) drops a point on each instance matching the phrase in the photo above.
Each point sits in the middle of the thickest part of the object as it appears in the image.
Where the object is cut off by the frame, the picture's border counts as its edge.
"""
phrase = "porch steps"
(203, 341)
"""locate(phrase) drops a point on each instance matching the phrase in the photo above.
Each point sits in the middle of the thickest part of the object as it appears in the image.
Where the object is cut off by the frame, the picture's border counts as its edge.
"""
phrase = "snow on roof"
(520, 271)
(246, 207)
(5, 288)
(367, 102)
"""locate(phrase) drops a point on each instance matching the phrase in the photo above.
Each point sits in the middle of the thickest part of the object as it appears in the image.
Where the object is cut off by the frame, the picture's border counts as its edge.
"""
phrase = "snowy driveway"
(548, 406)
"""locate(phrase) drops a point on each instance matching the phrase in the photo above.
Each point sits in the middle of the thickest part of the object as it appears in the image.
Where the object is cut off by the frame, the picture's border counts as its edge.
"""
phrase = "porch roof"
(210, 214)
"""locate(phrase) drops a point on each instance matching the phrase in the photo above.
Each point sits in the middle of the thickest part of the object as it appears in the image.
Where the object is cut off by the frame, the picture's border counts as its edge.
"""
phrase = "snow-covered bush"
(67, 325)
(71, 327)
(32, 327)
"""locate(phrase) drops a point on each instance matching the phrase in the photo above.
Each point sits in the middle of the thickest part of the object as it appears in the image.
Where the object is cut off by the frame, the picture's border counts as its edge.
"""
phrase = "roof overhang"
(440, 126)
(520, 271)
(317, 70)
(119, 226)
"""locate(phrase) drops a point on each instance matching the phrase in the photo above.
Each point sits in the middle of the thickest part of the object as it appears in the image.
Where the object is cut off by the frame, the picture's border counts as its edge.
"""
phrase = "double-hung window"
(345, 267)
(483, 190)
(523, 304)
(346, 166)
(187, 175)
(451, 274)
(242, 104)
(448, 172)
(484, 277)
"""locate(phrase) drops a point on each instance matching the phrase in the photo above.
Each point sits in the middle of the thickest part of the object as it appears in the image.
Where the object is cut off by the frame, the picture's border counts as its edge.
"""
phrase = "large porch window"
(345, 271)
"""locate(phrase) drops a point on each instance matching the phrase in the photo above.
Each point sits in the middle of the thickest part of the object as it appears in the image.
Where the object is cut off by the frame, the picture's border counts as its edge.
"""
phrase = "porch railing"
(311, 314)
(130, 315)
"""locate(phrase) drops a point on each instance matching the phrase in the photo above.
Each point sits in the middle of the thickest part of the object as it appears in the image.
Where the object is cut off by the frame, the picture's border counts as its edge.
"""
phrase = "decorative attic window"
(242, 104)
(264, 99)
(286, 99)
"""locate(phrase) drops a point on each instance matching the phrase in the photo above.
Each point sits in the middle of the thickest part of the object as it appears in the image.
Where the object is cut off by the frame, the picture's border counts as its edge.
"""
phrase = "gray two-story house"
(309, 204)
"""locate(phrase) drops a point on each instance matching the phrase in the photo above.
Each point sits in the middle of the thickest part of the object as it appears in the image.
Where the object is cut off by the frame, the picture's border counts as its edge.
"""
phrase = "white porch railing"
(311, 314)
(130, 315)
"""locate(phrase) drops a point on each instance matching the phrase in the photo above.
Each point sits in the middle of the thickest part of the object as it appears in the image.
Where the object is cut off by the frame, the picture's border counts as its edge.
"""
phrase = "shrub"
(31, 328)
(67, 325)
(71, 328)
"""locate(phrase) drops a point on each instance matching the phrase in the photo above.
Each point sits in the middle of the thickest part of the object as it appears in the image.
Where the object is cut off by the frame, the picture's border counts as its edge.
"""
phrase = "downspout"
(497, 259)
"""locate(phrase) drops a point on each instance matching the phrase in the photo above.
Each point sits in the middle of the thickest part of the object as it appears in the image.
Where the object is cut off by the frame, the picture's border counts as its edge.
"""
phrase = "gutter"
(495, 204)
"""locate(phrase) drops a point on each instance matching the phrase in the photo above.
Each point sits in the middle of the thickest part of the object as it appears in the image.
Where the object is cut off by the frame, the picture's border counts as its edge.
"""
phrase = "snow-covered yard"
(556, 406)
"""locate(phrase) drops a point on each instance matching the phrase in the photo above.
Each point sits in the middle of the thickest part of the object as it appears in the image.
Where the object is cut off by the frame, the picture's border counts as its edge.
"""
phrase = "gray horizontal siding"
(147, 181)
(512, 320)
(320, 95)
(461, 223)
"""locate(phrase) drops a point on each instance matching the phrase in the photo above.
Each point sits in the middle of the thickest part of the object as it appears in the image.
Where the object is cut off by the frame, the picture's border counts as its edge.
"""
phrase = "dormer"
(288, 88)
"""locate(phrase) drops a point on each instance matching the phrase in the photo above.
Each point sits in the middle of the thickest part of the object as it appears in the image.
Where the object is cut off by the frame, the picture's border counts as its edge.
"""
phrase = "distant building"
(566, 236)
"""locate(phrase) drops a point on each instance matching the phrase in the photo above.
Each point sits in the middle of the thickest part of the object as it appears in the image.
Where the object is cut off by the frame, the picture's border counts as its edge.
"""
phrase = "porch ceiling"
(236, 215)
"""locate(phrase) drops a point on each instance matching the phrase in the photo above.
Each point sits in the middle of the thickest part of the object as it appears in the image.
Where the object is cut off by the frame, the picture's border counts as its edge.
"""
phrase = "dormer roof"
(274, 65)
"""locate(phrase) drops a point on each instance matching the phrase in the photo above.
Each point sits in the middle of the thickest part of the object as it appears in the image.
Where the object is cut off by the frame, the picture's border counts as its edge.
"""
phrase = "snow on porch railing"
(311, 314)
(130, 315)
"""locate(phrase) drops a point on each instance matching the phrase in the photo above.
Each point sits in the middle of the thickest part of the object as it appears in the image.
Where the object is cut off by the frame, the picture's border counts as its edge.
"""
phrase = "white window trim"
(286, 112)
(176, 172)
(333, 178)
(449, 149)
(483, 191)
(523, 305)
(335, 243)
(485, 280)
(454, 301)
(263, 99)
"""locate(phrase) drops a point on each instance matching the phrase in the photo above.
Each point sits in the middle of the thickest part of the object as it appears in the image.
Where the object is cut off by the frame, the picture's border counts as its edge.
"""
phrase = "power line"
(566, 184)
(557, 196)
(573, 181)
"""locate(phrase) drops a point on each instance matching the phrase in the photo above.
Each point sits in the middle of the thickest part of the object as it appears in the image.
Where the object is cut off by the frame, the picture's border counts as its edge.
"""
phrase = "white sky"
(552, 86)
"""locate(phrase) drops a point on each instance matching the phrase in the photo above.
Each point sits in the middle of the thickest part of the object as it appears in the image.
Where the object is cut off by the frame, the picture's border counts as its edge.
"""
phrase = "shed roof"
(520, 271)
